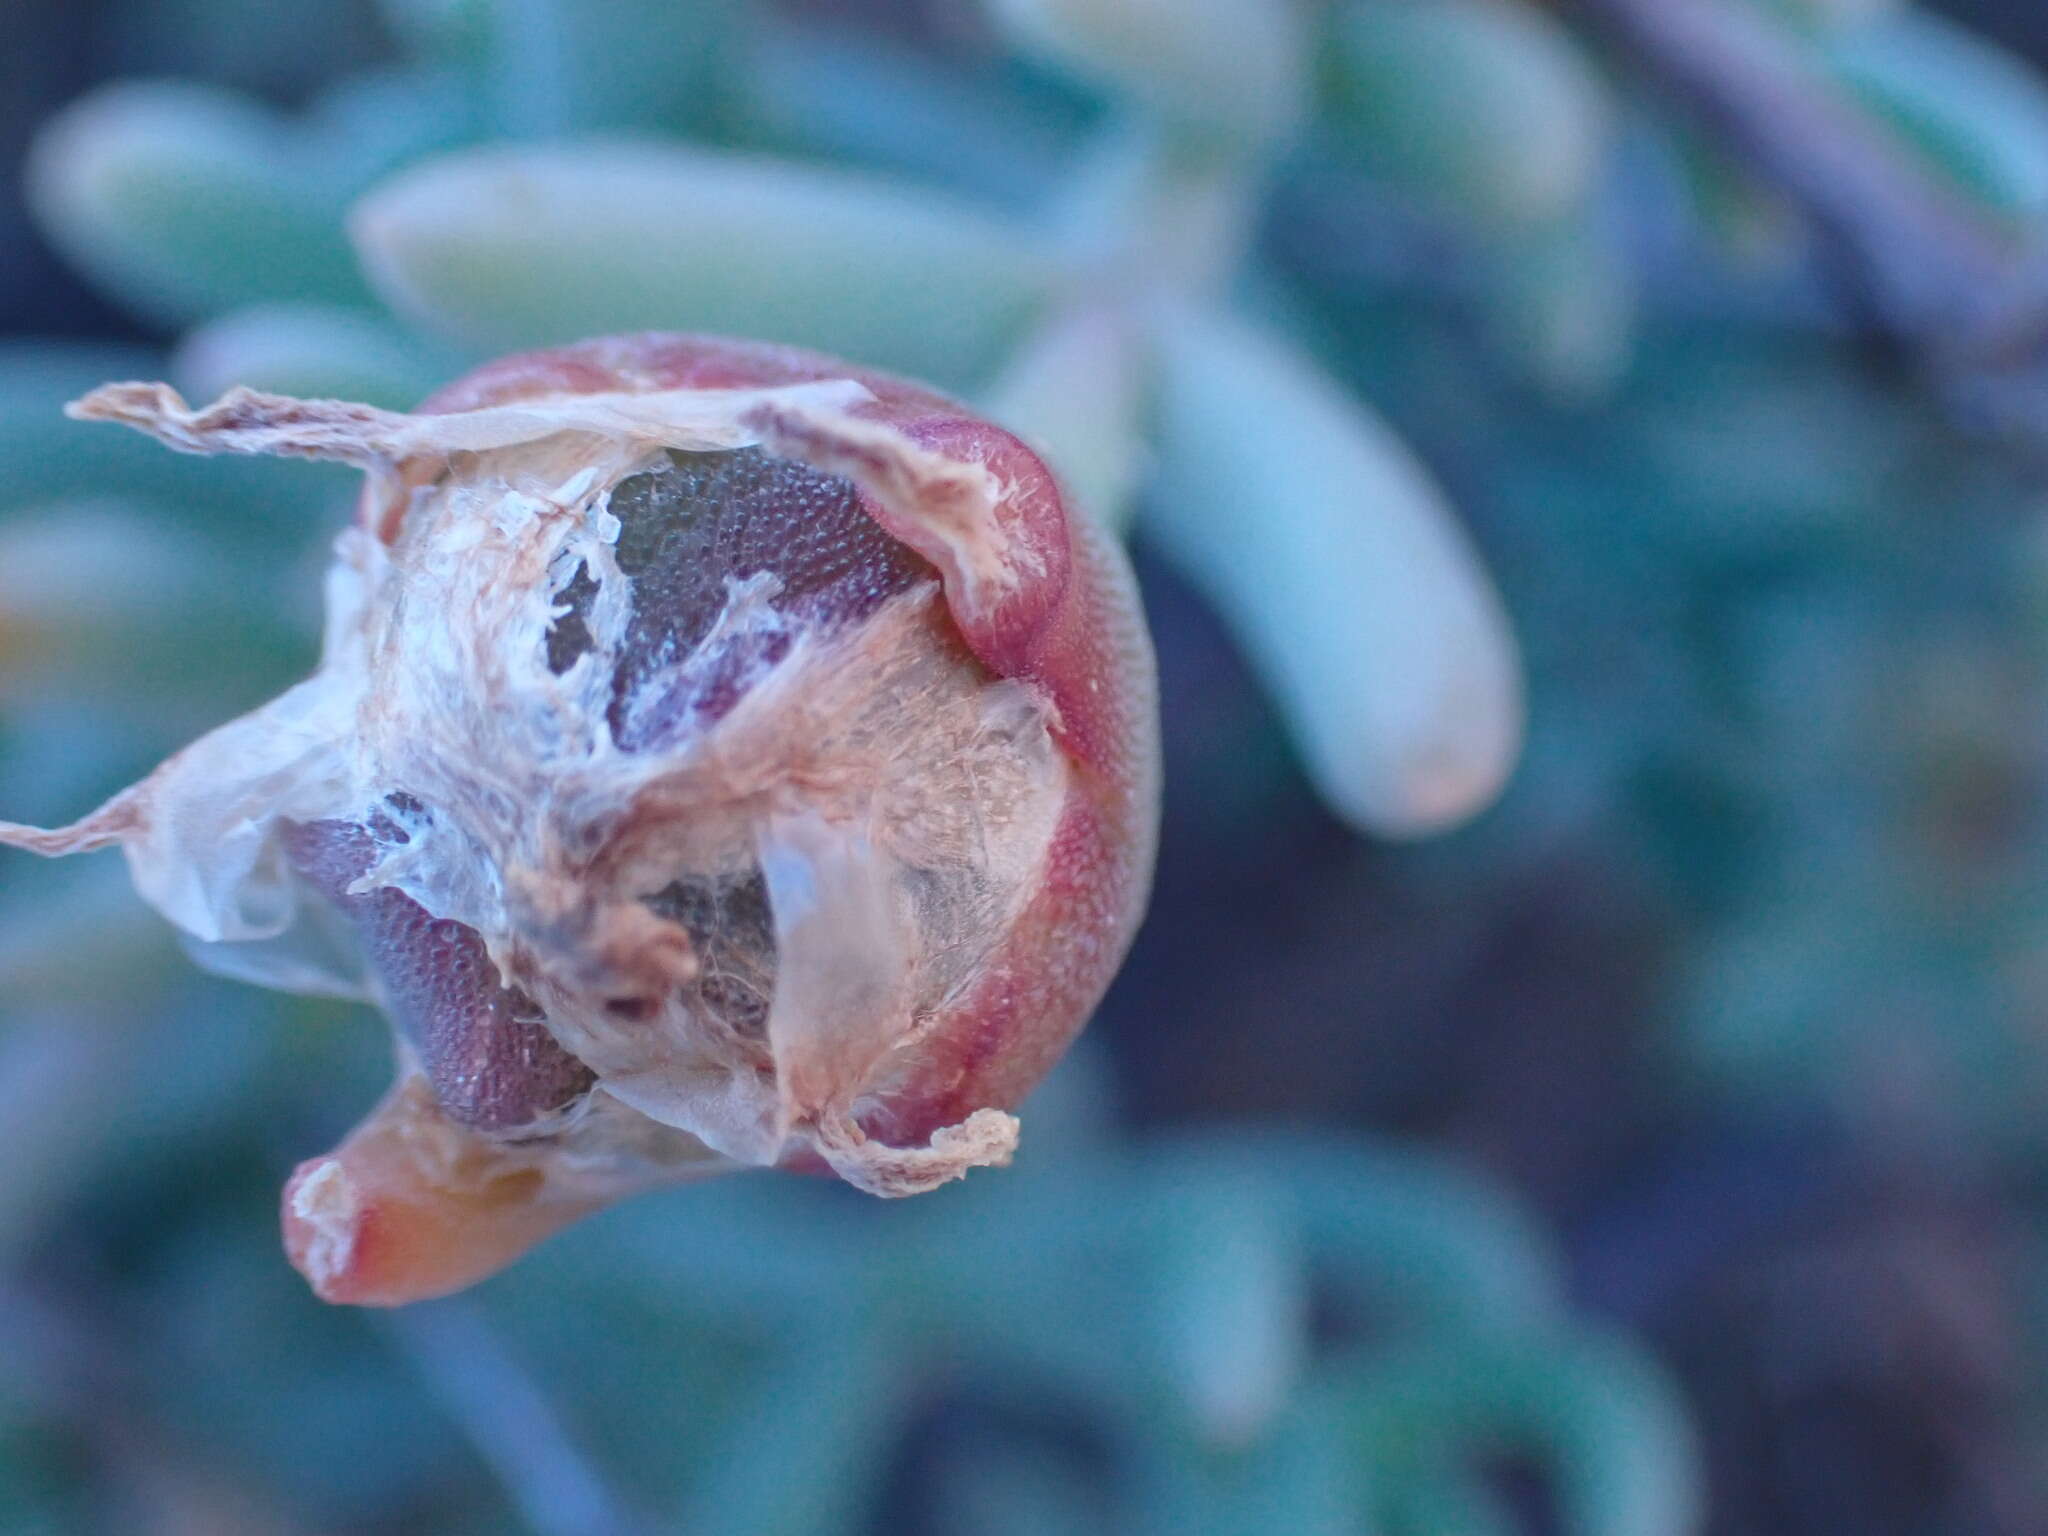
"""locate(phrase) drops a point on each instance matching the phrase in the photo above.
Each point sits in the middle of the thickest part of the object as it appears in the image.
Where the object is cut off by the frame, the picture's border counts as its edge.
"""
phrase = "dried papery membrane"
(896, 806)
(657, 772)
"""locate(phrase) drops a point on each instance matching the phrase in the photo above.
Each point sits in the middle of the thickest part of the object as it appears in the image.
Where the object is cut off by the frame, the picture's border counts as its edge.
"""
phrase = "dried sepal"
(709, 738)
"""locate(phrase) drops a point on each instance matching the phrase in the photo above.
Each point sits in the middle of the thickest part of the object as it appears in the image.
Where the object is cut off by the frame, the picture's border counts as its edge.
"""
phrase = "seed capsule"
(720, 756)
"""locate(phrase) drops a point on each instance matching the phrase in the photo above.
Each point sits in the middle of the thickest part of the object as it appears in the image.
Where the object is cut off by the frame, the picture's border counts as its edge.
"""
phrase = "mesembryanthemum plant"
(1100, 322)
(500, 776)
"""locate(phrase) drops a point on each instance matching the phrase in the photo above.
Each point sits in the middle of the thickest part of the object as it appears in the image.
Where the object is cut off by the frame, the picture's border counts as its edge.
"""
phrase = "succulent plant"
(1780, 633)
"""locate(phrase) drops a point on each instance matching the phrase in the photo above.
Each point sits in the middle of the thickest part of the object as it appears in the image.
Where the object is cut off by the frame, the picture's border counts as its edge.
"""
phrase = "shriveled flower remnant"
(720, 756)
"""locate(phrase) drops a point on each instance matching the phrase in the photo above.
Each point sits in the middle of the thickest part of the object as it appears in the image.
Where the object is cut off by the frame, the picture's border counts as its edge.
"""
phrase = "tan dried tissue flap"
(287, 732)
(247, 421)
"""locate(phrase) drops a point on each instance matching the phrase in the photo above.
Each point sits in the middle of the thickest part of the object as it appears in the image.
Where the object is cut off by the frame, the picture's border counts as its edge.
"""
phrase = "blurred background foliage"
(1663, 1152)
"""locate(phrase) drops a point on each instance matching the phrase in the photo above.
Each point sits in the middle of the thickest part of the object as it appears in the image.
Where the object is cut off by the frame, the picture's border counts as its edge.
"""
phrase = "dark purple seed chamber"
(483, 1046)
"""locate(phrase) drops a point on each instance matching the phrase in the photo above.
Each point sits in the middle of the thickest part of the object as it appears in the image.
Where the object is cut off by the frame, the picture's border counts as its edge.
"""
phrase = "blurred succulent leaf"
(1754, 227)
(855, 96)
(365, 126)
(1765, 446)
(1484, 108)
(1300, 1475)
(510, 247)
(45, 457)
(1344, 572)
(1604, 1422)
(1562, 305)
(1768, 1003)
(106, 599)
(62, 1078)
(657, 1413)
(84, 583)
(90, 943)
(567, 66)
(1831, 15)
(1076, 392)
(313, 1434)
(139, 183)
(1228, 1297)
(58, 754)
(1445, 1499)
(314, 351)
(1100, 1350)
(1230, 73)
(1980, 113)
(1409, 1238)
(1076, 1113)
(541, 68)
(805, 1456)
(777, 1269)
(999, 1485)
(233, 42)
(446, 31)
(510, 1418)
(1143, 213)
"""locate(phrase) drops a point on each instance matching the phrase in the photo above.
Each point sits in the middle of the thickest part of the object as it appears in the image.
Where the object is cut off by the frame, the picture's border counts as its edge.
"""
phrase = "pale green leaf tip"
(1487, 108)
(1350, 582)
(1233, 72)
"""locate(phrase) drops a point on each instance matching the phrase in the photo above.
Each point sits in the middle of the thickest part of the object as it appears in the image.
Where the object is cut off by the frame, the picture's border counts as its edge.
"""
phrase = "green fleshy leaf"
(85, 941)
(572, 66)
(1824, 16)
(107, 601)
(43, 455)
(1001, 1486)
(823, 1416)
(1445, 1500)
(1411, 1239)
(1230, 72)
(237, 43)
(542, 68)
(1485, 108)
(1229, 1304)
(368, 125)
(90, 577)
(1301, 1476)
(62, 1077)
(1344, 572)
(1750, 226)
(314, 351)
(1978, 112)
(46, 457)
(182, 200)
(531, 247)
(445, 31)
(1562, 305)
(969, 1279)
(1075, 1113)
(861, 99)
(1602, 1419)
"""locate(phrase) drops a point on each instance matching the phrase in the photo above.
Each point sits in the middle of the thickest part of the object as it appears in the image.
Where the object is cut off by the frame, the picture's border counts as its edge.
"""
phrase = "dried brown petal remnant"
(720, 756)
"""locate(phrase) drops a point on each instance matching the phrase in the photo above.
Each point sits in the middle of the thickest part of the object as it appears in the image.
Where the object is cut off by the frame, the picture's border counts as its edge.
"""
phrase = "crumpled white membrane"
(898, 801)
